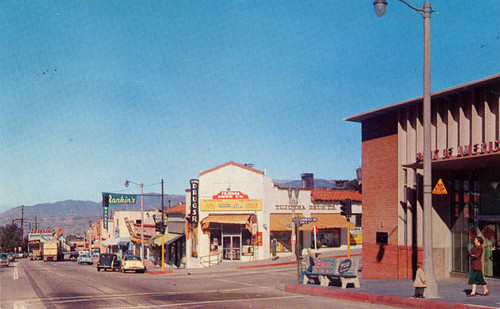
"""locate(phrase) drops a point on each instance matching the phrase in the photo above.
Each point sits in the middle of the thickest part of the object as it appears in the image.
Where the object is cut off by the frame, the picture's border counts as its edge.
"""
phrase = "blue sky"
(96, 92)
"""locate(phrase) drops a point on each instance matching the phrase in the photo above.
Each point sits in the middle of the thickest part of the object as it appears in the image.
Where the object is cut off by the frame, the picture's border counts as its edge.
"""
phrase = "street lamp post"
(127, 182)
(380, 8)
(293, 198)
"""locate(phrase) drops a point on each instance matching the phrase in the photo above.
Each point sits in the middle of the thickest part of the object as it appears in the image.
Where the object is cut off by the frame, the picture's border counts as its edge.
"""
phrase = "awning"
(137, 239)
(327, 221)
(283, 222)
(169, 238)
(226, 219)
(116, 241)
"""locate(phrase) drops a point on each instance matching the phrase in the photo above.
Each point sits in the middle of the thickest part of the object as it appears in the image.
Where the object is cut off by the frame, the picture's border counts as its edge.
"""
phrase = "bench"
(329, 269)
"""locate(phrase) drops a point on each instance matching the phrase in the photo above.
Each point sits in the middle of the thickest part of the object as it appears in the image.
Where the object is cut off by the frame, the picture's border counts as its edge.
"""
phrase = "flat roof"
(442, 93)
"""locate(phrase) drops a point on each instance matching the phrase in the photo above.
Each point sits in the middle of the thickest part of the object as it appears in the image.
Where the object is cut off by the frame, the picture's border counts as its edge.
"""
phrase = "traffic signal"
(158, 227)
(346, 208)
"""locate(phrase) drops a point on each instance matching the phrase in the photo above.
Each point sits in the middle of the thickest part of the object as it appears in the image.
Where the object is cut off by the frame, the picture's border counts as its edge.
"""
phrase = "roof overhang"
(418, 101)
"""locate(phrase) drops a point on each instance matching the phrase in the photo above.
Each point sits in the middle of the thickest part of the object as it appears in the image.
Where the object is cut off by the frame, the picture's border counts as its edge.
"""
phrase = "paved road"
(35, 284)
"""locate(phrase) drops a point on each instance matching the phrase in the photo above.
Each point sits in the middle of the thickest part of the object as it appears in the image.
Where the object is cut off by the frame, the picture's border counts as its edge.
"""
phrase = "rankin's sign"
(463, 151)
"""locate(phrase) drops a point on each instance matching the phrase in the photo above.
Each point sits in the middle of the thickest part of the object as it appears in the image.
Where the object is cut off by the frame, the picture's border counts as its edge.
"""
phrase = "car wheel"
(98, 269)
(122, 271)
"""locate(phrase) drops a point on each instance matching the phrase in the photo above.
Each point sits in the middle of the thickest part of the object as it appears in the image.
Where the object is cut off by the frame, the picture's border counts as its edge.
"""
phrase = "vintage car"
(132, 263)
(4, 259)
(84, 259)
(73, 255)
(108, 261)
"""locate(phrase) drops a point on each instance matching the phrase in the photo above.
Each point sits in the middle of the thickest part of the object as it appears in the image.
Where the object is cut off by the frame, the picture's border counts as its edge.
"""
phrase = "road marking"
(15, 273)
(19, 305)
(49, 270)
(237, 282)
(70, 299)
(205, 302)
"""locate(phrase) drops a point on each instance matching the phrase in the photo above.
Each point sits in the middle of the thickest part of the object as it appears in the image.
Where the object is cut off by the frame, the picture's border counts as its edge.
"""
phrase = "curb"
(159, 272)
(266, 265)
(401, 302)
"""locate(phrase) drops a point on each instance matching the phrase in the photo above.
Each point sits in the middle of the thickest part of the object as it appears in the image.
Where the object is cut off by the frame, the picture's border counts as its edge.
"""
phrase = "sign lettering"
(463, 151)
(194, 200)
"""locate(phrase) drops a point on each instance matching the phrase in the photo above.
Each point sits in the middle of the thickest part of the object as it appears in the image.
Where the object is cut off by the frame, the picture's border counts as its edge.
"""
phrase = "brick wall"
(380, 196)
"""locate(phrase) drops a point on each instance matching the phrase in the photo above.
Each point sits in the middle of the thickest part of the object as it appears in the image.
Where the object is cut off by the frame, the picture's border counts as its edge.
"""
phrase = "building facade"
(238, 214)
(465, 157)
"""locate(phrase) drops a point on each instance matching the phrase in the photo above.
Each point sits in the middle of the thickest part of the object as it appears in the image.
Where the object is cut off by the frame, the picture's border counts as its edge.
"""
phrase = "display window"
(283, 241)
(231, 241)
(327, 238)
(475, 211)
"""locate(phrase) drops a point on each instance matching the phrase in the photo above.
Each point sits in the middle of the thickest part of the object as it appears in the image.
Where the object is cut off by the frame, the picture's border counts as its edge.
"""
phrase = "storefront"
(465, 163)
(236, 212)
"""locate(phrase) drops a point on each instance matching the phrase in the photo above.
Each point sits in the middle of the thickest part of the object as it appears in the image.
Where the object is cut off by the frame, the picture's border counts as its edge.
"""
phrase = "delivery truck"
(52, 251)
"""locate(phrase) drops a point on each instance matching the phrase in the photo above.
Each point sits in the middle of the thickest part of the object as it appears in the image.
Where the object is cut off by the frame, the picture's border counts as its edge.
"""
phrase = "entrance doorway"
(231, 247)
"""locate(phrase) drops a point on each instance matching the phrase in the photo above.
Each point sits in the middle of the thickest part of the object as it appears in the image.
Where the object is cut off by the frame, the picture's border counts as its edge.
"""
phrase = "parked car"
(11, 256)
(73, 255)
(132, 263)
(84, 259)
(108, 261)
(4, 259)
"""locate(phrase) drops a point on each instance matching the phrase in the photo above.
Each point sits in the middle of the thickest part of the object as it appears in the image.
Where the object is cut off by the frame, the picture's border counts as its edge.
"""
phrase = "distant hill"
(74, 216)
(318, 184)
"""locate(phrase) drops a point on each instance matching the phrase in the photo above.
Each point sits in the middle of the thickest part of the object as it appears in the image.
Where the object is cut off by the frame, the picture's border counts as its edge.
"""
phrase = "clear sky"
(96, 92)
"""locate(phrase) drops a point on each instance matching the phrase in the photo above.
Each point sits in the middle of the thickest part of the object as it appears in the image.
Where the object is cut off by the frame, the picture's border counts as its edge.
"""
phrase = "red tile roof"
(335, 195)
(179, 209)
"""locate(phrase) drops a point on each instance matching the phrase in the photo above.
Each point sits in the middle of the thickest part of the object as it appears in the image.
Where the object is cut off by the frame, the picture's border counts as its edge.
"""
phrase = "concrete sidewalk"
(399, 293)
(390, 292)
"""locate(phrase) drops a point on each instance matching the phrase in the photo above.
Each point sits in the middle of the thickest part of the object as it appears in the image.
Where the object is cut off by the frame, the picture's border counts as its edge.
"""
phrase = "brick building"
(466, 157)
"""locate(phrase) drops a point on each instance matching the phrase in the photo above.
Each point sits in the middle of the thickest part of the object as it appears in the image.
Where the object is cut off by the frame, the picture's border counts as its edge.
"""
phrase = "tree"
(353, 185)
(10, 237)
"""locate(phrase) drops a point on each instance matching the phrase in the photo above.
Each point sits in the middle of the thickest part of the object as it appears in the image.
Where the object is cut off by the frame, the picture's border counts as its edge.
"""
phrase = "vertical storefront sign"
(105, 206)
(114, 199)
(194, 200)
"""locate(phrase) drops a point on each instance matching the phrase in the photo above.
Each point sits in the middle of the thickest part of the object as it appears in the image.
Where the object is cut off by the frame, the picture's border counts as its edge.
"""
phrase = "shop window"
(327, 238)
(283, 240)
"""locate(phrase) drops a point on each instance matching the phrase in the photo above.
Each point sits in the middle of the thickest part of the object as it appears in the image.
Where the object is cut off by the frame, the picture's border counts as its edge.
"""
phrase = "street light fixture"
(380, 7)
(127, 182)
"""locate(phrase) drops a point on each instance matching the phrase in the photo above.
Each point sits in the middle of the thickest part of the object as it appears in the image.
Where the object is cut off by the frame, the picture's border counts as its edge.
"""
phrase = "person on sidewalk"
(274, 245)
(309, 261)
(419, 283)
(476, 274)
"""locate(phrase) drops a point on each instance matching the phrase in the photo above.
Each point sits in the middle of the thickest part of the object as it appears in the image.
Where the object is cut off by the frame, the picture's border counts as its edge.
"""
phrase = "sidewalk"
(390, 292)
(399, 292)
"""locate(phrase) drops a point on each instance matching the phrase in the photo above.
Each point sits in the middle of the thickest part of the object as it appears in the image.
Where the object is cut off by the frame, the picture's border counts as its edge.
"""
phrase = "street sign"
(439, 188)
(305, 220)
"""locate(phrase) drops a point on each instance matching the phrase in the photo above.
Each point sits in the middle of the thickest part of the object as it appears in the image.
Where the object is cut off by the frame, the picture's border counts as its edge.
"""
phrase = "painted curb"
(159, 272)
(400, 302)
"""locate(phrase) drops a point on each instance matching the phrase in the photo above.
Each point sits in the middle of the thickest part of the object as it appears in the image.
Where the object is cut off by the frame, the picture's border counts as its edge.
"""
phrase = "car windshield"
(132, 258)
(106, 258)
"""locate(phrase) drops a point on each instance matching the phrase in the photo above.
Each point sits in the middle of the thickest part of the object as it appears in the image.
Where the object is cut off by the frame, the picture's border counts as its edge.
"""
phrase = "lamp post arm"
(425, 12)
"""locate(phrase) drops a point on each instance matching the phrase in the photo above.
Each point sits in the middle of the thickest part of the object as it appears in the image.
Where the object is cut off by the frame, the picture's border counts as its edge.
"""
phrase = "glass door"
(231, 247)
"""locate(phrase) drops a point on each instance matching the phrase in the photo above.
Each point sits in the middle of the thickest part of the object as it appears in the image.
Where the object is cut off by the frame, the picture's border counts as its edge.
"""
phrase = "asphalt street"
(35, 284)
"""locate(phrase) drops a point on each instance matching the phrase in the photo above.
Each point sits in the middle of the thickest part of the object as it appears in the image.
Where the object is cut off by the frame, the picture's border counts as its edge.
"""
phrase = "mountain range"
(74, 216)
